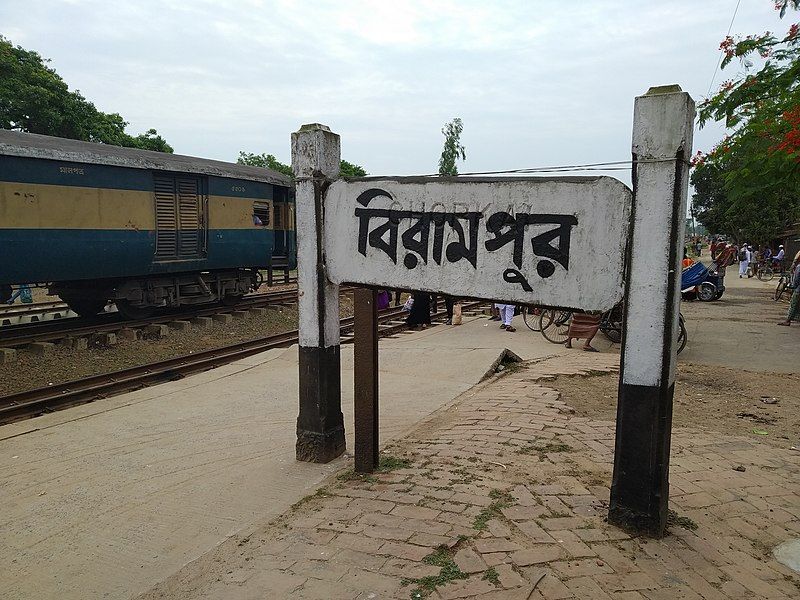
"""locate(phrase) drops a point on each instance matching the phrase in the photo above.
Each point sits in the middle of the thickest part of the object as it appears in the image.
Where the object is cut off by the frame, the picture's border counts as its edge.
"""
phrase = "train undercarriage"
(141, 297)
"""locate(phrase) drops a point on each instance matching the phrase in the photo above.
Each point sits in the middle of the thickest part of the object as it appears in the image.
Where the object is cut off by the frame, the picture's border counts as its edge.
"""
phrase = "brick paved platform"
(504, 497)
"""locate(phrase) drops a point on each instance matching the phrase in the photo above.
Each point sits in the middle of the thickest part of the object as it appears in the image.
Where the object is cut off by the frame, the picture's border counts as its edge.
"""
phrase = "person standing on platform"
(420, 315)
(584, 326)
(794, 303)
(506, 315)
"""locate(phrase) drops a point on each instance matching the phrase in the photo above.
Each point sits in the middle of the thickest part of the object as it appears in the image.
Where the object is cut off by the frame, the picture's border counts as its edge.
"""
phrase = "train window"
(261, 214)
(279, 215)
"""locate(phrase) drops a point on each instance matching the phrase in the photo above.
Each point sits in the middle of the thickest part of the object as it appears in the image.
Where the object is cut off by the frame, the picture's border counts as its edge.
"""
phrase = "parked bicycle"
(554, 326)
(783, 286)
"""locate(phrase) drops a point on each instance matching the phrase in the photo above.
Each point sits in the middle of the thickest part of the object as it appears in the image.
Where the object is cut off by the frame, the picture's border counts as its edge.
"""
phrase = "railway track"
(54, 330)
(56, 309)
(33, 311)
(35, 402)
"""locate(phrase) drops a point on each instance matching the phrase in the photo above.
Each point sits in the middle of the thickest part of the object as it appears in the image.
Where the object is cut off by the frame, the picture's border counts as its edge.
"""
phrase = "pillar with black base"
(662, 147)
(320, 424)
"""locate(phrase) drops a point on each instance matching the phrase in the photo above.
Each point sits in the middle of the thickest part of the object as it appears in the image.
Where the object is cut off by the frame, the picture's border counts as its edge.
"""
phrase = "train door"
(281, 221)
(180, 207)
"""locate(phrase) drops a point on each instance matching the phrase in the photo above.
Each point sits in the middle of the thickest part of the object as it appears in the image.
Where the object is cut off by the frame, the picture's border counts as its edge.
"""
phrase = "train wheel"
(132, 312)
(232, 299)
(86, 306)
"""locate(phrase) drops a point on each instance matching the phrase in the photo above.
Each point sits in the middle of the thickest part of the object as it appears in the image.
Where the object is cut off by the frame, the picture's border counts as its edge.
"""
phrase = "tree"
(348, 169)
(268, 161)
(453, 149)
(752, 177)
(34, 99)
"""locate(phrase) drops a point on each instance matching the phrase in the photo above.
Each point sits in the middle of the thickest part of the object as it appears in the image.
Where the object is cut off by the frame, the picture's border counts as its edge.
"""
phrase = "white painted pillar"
(662, 147)
(320, 424)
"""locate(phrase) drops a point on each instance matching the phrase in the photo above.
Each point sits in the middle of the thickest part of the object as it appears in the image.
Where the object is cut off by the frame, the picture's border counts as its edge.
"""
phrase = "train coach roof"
(15, 143)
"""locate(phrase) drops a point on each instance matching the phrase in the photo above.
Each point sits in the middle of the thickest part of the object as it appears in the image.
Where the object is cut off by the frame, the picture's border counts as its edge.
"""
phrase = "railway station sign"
(582, 243)
(557, 241)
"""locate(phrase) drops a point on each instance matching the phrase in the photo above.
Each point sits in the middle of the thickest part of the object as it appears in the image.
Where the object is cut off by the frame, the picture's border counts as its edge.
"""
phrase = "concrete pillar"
(662, 146)
(320, 424)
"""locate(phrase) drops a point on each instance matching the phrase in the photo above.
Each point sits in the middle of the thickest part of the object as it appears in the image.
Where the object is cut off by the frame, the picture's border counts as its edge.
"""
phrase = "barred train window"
(261, 214)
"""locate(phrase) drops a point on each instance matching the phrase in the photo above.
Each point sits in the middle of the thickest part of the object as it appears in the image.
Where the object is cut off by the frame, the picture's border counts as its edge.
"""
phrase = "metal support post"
(662, 146)
(365, 376)
(320, 424)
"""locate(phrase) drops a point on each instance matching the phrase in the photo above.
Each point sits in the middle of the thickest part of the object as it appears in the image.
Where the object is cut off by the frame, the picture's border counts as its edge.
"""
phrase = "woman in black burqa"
(420, 314)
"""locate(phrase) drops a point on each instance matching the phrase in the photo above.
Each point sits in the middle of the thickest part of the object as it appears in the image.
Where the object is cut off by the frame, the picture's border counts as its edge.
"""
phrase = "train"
(96, 223)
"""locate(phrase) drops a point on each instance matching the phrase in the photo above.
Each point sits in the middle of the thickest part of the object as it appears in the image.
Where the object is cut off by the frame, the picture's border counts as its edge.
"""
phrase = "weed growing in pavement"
(442, 557)
(351, 475)
(674, 518)
(392, 463)
(320, 493)
(543, 450)
(492, 576)
(500, 500)
(465, 476)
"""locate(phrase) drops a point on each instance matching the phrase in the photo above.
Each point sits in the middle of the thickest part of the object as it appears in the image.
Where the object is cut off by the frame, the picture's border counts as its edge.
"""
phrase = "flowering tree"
(747, 185)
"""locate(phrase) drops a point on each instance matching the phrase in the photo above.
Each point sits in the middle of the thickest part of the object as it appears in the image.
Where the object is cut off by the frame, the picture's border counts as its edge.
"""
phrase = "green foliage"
(492, 576)
(392, 463)
(500, 500)
(453, 149)
(348, 169)
(747, 185)
(34, 99)
(268, 161)
(442, 557)
(756, 218)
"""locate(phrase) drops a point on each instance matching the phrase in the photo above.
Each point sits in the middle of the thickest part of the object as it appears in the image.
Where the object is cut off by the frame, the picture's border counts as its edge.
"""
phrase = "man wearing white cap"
(778, 258)
(744, 259)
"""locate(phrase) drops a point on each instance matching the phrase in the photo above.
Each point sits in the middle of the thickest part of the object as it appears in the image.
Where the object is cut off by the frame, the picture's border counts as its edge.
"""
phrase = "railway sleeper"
(139, 298)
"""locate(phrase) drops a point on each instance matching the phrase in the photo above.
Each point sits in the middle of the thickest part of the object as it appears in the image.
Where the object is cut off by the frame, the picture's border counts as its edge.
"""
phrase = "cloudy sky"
(536, 82)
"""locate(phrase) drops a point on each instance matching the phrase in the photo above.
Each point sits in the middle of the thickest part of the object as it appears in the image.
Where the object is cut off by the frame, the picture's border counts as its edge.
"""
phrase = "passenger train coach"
(98, 223)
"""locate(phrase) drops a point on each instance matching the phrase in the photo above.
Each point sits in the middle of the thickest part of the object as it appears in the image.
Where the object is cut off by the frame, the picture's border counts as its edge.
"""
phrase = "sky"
(536, 82)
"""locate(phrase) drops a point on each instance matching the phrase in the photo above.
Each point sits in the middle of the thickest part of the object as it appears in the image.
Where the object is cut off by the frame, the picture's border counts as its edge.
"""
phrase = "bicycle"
(531, 314)
(554, 326)
(764, 271)
(783, 285)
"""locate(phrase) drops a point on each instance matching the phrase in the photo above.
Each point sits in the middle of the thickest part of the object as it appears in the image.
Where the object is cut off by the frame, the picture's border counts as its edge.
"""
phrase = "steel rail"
(48, 331)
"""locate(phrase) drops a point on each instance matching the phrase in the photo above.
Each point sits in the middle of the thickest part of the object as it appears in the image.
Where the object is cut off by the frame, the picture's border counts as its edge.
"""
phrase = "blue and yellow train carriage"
(98, 223)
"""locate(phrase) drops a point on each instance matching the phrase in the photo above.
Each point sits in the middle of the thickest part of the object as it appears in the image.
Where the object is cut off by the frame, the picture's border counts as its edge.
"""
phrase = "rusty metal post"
(365, 378)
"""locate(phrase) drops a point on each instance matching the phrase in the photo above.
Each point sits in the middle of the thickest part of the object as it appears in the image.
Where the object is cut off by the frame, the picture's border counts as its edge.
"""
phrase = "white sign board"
(549, 241)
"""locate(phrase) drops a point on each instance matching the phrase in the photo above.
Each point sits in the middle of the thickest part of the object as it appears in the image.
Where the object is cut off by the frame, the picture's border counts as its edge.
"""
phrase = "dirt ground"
(719, 399)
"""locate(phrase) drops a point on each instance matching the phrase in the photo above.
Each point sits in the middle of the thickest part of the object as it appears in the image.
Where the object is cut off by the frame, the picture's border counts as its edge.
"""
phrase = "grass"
(465, 476)
(392, 463)
(674, 518)
(351, 475)
(442, 557)
(500, 500)
(492, 576)
(320, 493)
(385, 465)
(543, 450)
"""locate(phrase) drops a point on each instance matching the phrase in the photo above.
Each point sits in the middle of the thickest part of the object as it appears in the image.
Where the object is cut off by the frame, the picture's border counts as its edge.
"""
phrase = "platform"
(109, 498)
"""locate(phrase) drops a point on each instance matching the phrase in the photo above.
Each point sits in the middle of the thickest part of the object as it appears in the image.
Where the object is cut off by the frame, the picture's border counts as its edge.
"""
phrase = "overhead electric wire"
(719, 59)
